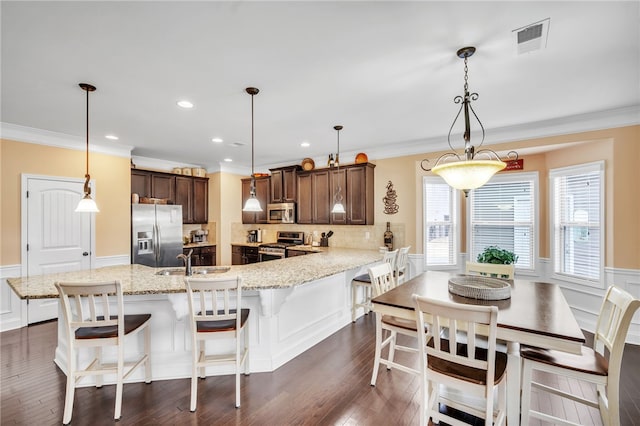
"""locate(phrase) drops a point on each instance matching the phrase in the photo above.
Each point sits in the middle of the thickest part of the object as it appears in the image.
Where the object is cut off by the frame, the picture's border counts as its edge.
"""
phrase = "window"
(503, 213)
(440, 222)
(577, 206)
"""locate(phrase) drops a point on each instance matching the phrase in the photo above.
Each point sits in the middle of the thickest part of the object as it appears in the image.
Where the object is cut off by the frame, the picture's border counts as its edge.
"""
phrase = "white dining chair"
(466, 367)
(94, 318)
(401, 264)
(382, 280)
(599, 365)
(364, 281)
(216, 313)
(491, 270)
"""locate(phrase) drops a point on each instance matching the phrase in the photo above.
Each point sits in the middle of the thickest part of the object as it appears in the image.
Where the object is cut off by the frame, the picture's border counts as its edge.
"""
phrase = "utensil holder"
(324, 242)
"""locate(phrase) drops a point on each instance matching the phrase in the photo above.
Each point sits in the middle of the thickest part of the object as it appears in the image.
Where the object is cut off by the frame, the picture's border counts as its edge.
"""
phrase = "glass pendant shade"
(338, 207)
(471, 174)
(252, 205)
(87, 205)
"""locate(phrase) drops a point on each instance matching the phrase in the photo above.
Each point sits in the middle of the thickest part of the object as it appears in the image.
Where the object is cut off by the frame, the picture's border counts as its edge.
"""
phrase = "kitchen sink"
(210, 270)
(171, 272)
(195, 271)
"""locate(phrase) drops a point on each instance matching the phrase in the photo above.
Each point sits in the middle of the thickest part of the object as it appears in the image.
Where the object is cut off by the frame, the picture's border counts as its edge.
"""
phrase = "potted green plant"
(495, 254)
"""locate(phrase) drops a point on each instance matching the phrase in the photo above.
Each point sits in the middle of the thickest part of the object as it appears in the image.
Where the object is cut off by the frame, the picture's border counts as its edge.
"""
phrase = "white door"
(56, 238)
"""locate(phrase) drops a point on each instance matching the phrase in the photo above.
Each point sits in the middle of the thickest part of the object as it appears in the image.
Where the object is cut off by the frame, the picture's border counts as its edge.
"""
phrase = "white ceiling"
(387, 71)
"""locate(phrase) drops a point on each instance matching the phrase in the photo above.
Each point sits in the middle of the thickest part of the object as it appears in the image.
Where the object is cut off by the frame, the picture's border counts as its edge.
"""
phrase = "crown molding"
(19, 133)
(607, 119)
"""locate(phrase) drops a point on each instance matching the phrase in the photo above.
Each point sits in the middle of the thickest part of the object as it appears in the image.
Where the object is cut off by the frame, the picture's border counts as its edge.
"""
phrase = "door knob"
(85, 253)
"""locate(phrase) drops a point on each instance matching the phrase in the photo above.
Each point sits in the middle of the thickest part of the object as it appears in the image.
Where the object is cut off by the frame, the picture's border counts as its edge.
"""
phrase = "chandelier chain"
(466, 77)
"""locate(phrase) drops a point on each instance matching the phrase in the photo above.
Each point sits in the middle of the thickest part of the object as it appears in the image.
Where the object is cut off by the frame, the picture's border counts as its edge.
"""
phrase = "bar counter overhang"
(295, 303)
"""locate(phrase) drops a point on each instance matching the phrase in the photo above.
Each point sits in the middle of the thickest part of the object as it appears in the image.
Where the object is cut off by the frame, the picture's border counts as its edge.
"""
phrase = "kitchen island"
(295, 303)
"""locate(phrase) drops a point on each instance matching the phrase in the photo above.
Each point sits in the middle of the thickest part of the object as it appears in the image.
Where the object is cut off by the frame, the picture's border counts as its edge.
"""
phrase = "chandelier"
(475, 167)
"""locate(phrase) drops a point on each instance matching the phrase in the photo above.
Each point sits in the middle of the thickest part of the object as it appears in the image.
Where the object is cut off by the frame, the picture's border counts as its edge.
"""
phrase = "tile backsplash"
(211, 227)
(348, 236)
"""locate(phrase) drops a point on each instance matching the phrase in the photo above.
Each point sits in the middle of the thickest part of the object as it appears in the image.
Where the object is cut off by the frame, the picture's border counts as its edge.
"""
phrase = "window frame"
(596, 166)
(455, 224)
(532, 176)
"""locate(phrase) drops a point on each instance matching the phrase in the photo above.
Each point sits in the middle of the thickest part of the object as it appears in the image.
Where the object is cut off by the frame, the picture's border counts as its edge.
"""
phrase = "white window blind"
(440, 222)
(577, 232)
(502, 213)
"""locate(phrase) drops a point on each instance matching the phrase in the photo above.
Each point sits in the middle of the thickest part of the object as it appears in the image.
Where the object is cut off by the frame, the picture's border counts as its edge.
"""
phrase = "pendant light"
(252, 204)
(338, 207)
(477, 167)
(87, 205)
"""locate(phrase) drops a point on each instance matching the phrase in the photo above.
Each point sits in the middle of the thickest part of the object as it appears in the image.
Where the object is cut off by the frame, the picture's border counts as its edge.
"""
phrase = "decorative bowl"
(361, 157)
(308, 164)
(479, 287)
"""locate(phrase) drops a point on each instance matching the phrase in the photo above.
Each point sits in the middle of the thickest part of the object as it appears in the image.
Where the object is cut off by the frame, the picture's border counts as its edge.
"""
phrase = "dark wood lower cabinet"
(202, 256)
(243, 255)
(293, 253)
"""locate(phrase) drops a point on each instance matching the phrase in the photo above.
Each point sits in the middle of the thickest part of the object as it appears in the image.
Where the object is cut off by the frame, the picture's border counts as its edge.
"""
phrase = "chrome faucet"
(187, 262)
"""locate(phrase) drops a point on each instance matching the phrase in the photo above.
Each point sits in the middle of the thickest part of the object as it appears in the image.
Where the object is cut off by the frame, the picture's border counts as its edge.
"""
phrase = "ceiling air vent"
(532, 37)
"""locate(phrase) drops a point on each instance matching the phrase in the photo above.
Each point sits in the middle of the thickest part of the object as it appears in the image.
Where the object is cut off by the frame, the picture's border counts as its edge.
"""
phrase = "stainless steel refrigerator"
(156, 234)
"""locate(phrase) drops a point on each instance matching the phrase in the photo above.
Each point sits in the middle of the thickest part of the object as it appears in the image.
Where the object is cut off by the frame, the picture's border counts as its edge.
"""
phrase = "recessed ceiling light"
(217, 140)
(228, 160)
(305, 144)
(112, 137)
(185, 104)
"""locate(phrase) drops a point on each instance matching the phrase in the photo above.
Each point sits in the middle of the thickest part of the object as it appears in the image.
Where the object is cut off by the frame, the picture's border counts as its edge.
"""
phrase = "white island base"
(283, 323)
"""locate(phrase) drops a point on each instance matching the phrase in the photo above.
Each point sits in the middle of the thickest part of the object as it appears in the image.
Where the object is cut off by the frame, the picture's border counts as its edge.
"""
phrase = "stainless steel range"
(278, 250)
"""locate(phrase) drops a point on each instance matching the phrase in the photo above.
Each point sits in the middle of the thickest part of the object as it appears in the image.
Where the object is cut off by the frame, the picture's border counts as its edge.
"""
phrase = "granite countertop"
(248, 244)
(140, 279)
(194, 245)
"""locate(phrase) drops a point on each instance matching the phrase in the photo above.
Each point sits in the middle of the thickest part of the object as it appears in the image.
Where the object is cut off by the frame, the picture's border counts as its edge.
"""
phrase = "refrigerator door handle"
(156, 242)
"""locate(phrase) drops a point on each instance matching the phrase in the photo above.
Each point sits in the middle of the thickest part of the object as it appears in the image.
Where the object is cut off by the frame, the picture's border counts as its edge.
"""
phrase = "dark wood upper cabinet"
(200, 200)
(141, 183)
(284, 184)
(305, 200)
(164, 186)
(263, 189)
(317, 190)
(359, 195)
(313, 197)
(184, 197)
(192, 193)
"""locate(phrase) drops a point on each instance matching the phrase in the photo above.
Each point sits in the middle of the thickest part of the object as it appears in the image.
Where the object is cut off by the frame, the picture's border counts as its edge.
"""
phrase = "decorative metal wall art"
(390, 206)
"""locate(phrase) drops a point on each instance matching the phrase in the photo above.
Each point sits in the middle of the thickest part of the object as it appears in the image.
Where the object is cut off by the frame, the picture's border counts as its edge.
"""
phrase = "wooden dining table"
(536, 314)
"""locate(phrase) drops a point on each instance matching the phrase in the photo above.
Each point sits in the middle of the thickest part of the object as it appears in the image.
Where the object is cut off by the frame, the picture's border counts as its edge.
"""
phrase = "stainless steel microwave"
(281, 213)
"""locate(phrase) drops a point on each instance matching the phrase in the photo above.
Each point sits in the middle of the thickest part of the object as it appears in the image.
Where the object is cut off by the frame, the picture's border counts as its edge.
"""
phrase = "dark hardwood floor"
(326, 385)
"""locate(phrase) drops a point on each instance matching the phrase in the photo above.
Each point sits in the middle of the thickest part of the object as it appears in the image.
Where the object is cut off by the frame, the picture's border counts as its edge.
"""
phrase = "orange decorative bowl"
(308, 164)
(361, 157)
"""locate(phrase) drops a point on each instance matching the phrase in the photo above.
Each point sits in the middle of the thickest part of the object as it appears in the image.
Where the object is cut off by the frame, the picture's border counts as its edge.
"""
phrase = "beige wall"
(112, 179)
(228, 189)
